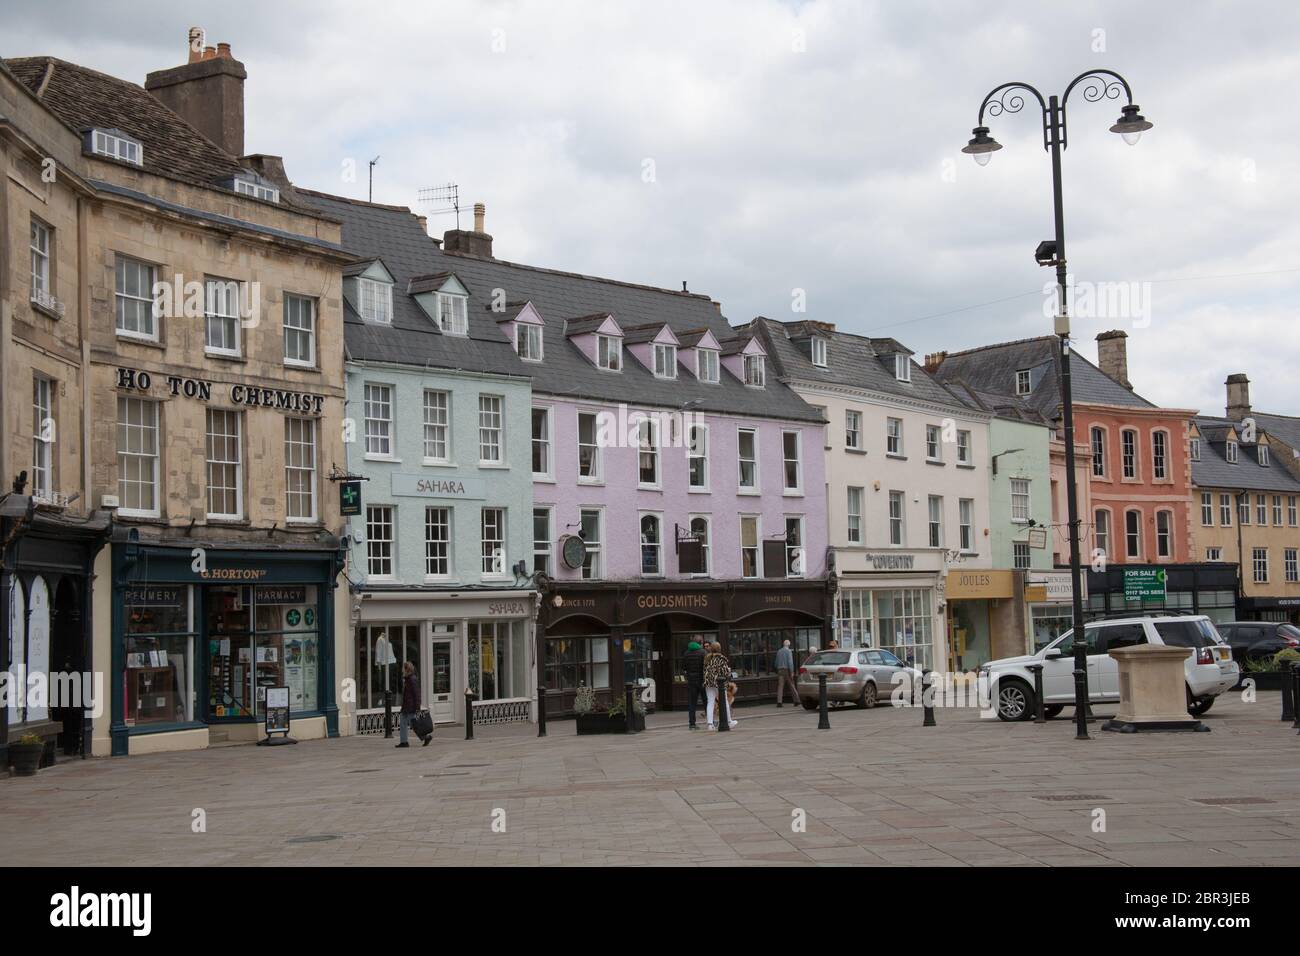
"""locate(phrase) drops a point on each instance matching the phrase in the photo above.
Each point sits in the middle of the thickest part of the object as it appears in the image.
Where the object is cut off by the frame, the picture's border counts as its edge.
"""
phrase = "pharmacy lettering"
(280, 399)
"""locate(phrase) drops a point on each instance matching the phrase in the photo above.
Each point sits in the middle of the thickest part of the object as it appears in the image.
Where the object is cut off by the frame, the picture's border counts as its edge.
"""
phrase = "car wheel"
(1052, 710)
(1015, 701)
(867, 699)
(809, 705)
(1198, 707)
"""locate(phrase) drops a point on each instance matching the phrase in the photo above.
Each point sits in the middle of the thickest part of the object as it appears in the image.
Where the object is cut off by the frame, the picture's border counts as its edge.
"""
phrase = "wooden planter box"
(604, 724)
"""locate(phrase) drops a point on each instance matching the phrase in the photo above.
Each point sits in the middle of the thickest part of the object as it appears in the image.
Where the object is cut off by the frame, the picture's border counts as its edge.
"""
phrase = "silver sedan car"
(859, 675)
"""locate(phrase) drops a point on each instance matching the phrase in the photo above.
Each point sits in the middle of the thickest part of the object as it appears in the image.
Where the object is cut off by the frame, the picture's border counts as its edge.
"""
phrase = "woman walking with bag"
(717, 671)
(410, 706)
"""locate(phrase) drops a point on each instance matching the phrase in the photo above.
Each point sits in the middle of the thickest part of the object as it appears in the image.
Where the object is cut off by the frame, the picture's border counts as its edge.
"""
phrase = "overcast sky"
(753, 149)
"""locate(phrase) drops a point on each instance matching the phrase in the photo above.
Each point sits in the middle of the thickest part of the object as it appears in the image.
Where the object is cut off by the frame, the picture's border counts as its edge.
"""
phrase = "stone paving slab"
(876, 789)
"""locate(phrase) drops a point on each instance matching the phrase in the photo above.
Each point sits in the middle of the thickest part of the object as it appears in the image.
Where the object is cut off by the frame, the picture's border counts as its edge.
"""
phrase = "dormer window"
(706, 365)
(528, 342)
(376, 299)
(902, 367)
(247, 187)
(116, 145)
(1196, 449)
(1262, 451)
(754, 370)
(453, 315)
(609, 353)
(819, 352)
(665, 361)
(1022, 381)
(1231, 452)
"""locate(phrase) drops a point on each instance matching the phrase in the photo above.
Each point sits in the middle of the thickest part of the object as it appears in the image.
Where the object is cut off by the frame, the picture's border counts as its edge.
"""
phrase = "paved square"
(877, 788)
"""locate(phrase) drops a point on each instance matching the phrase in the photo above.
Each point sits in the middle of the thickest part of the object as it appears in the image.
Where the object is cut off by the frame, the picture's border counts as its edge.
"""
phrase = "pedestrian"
(693, 666)
(784, 671)
(717, 671)
(410, 704)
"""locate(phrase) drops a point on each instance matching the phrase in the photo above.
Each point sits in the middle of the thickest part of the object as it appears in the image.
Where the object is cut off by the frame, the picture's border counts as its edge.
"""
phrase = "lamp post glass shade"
(982, 146)
(1131, 124)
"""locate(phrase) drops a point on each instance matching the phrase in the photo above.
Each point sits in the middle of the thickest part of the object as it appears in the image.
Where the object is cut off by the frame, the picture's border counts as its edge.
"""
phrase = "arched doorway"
(68, 656)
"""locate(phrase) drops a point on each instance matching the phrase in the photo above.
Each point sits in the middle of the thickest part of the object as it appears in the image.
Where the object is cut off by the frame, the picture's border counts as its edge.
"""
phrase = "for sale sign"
(1144, 584)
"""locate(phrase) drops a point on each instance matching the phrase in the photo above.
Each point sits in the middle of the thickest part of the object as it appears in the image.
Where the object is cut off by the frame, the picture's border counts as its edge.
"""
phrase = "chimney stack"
(476, 243)
(424, 223)
(1112, 356)
(934, 360)
(1238, 407)
(207, 91)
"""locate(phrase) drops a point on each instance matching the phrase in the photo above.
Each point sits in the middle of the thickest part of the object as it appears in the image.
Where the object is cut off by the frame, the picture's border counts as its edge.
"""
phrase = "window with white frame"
(818, 351)
(489, 429)
(963, 447)
(40, 246)
(590, 522)
(1164, 534)
(247, 187)
(790, 444)
(755, 373)
(902, 367)
(932, 445)
(528, 342)
(966, 523)
(437, 542)
(1261, 452)
(1277, 511)
(221, 317)
(588, 447)
(137, 457)
(437, 425)
(1133, 533)
(43, 435)
(1225, 511)
(896, 529)
(133, 298)
(647, 453)
(118, 147)
(853, 612)
(1195, 449)
(706, 365)
(379, 541)
(702, 531)
(493, 537)
(376, 300)
(751, 554)
(1291, 511)
(652, 544)
(299, 330)
(1020, 555)
(1243, 509)
(541, 442)
(542, 540)
(935, 507)
(453, 315)
(1128, 452)
(855, 515)
(1159, 455)
(747, 455)
(609, 353)
(665, 360)
(697, 460)
(1261, 510)
(853, 429)
(1213, 554)
(1022, 381)
(225, 465)
(1207, 509)
(1259, 564)
(1101, 531)
(1098, 437)
(795, 559)
(1020, 500)
(893, 436)
(379, 420)
(1230, 451)
(1289, 564)
(300, 469)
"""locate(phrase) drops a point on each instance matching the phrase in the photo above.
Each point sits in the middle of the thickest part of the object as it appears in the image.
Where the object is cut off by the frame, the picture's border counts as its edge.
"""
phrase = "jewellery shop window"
(681, 641)
(260, 637)
(159, 655)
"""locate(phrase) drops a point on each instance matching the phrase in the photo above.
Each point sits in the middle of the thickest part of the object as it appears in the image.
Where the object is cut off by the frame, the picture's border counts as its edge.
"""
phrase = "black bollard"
(1295, 692)
(388, 707)
(823, 715)
(541, 711)
(627, 703)
(469, 714)
(724, 715)
(1081, 690)
(927, 697)
(1288, 701)
(1040, 714)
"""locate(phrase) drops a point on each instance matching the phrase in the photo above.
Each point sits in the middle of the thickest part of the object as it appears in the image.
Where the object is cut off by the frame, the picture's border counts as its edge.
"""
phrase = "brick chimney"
(1238, 407)
(1112, 356)
(934, 360)
(476, 243)
(207, 91)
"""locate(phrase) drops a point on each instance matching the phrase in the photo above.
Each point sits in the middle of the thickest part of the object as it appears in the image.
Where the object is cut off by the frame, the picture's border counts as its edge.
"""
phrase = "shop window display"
(159, 655)
(575, 661)
(405, 641)
(497, 660)
(260, 637)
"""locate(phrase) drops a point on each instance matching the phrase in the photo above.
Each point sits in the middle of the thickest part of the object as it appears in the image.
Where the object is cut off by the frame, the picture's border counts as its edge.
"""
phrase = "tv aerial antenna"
(442, 200)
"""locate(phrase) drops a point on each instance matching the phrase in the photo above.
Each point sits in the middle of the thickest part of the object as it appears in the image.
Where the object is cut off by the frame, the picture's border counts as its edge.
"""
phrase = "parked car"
(1209, 671)
(861, 675)
(1259, 640)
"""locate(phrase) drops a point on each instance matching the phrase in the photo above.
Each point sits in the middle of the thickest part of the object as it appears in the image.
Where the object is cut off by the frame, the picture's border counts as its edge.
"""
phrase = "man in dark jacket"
(410, 704)
(693, 666)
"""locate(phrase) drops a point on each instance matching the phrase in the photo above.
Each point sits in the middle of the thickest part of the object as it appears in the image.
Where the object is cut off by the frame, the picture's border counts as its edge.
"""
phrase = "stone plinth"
(1152, 690)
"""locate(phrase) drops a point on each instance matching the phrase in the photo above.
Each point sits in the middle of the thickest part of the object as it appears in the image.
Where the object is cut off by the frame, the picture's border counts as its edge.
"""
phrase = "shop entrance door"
(442, 676)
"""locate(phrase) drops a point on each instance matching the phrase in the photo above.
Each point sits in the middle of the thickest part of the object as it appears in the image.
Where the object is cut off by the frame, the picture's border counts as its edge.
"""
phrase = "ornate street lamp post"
(1009, 98)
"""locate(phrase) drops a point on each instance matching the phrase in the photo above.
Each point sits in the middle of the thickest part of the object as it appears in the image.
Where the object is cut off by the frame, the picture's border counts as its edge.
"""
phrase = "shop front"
(199, 633)
(1203, 588)
(984, 617)
(481, 642)
(1285, 610)
(1049, 596)
(608, 635)
(890, 600)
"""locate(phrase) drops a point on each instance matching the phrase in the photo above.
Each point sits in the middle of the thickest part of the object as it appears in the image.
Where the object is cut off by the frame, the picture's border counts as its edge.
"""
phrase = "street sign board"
(1144, 584)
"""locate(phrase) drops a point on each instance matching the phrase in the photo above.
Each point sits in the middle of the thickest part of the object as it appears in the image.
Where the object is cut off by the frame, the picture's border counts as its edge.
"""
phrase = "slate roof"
(1010, 407)
(585, 323)
(993, 368)
(851, 360)
(557, 296)
(1285, 427)
(1214, 471)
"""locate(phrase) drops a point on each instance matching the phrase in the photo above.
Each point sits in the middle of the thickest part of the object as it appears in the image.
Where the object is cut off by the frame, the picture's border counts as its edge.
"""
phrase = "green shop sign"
(1144, 584)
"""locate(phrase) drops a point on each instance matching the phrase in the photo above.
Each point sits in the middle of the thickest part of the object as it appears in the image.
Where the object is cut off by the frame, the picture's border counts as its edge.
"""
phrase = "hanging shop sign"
(422, 486)
(249, 396)
(573, 551)
(349, 498)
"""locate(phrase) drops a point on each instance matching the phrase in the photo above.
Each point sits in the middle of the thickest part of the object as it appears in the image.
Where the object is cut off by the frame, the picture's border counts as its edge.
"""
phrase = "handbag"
(422, 724)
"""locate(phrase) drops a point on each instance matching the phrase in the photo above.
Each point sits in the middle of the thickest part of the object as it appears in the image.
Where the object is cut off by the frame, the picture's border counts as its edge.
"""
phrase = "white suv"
(1210, 669)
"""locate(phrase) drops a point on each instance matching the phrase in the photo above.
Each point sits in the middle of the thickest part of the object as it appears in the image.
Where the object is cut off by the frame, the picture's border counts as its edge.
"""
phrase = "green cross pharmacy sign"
(1144, 584)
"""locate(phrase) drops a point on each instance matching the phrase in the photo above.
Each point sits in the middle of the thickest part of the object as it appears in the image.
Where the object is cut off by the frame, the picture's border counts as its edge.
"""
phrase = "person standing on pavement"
(410, 704)
(784, 671)
(717, 671)
(693, 667)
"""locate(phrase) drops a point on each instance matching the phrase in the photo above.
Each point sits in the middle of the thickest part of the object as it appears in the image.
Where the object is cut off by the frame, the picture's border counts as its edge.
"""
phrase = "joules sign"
(250, 396)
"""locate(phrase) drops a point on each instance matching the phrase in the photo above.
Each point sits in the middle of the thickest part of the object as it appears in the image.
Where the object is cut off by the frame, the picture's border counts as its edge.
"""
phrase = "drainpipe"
(1241, 552)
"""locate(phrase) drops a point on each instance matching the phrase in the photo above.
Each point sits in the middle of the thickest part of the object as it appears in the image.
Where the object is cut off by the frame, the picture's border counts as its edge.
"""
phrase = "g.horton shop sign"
(250, 396)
